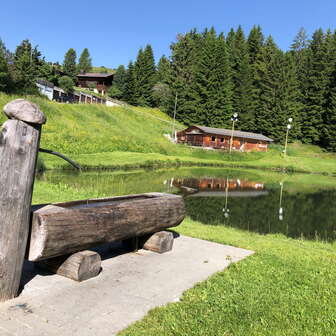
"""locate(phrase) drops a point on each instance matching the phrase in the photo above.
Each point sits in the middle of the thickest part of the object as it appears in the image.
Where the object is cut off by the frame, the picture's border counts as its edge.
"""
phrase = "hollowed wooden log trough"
(59, 233)
(65, 228)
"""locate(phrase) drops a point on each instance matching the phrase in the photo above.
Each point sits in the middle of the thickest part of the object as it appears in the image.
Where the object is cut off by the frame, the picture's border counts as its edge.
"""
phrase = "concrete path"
(129, 285)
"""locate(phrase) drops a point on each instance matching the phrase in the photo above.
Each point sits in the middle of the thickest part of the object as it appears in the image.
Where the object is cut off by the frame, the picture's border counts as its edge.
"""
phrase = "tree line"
(213, 76)
(19, 70)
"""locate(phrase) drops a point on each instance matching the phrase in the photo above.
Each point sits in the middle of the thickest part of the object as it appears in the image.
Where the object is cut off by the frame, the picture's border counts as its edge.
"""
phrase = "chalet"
(219, 138)
(99, 82)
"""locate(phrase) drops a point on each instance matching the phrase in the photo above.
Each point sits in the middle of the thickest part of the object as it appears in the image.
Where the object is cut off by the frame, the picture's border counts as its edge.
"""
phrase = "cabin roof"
(236, 134)
(95, 74)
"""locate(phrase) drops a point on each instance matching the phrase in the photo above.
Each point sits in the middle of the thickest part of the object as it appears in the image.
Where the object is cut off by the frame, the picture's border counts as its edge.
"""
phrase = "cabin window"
(209, 186)
(218, 186)
(222, 140)
(213, 138)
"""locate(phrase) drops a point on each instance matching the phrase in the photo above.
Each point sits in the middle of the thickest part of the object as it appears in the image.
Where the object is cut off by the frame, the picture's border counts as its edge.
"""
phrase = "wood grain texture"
(160, 242)
(65, 228)
(24, 110)
(19, 144)
(79, 266)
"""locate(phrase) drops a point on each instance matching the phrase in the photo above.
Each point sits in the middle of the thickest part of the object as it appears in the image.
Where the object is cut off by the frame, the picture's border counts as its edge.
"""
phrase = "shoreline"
(161, 162)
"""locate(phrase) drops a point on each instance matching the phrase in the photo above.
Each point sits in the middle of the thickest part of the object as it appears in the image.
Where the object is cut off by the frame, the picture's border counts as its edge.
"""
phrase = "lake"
(297, 205)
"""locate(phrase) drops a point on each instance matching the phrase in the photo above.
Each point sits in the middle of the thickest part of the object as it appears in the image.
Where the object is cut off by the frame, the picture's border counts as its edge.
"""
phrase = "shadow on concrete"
(106, 251)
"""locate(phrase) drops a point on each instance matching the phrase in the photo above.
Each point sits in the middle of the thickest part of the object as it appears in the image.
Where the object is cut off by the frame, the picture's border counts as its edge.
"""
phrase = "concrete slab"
(128, 287)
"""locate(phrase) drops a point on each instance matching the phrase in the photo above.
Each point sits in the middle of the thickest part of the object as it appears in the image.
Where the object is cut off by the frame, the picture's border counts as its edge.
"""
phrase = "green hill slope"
(98, 136)
(76, 129)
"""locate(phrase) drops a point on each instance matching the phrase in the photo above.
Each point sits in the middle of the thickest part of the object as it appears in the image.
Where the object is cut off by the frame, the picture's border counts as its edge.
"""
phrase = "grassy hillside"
(123, 137)
(102, 69)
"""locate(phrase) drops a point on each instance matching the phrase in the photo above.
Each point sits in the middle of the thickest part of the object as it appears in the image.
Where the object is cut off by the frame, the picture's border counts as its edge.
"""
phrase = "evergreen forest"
(208, 77)
(211, 76)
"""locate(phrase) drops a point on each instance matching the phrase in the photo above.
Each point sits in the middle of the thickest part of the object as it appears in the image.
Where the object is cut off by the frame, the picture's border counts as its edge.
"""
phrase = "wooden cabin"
(219, 138)
(99, 82)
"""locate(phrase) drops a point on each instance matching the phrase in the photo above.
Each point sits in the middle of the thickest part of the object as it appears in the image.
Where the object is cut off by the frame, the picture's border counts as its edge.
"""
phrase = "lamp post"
(173, 131)
(233, 119)
(289, 126)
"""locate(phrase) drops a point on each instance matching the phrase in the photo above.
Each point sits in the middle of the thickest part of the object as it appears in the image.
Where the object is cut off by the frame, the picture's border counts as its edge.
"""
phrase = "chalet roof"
(236, 134)
(95, 74)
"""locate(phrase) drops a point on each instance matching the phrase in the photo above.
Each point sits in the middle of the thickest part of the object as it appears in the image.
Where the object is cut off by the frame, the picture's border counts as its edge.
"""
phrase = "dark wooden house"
(219, 138)
(99, 82)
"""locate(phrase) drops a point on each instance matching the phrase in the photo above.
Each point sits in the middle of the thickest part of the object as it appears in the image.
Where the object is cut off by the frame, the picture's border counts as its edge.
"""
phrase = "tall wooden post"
(19, 144)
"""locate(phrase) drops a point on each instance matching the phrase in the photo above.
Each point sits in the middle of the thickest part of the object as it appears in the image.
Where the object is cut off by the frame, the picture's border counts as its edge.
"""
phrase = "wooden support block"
(19, 144)
(160, 242)
(79, 266)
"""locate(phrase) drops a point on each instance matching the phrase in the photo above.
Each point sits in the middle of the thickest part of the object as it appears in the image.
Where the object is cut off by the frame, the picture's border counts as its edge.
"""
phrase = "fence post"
(19, 144)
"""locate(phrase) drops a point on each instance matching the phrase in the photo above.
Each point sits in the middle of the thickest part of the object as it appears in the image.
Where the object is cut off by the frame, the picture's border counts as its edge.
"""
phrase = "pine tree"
(49, 72)
(130, 86)
(242, 81)
(5, 52)
(120, 80)
(4, 73)
(279, 93)
(213, 87)
(164, 70)
(315, 84)
(298, 55)
(255, 42)
(69, 63)
(85, 62)
(161, 92)
(26, 63)
(299, 47)
(145, 75)
(329, 118)
(185, 53)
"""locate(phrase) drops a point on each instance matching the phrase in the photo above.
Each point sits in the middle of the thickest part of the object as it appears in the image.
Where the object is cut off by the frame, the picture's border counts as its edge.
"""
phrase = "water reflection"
(251, 201)
(220, 187)
(280, 202)
(251, 205)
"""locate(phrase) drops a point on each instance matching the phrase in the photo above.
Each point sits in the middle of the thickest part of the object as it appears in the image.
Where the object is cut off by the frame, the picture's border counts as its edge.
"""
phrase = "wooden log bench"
(66, 228)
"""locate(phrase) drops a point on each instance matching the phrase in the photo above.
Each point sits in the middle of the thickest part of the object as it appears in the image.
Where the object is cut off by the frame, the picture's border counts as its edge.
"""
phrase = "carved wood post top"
(24, 110)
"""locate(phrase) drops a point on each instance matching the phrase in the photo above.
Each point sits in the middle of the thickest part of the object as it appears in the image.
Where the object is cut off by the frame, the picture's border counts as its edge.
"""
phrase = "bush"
(114, 92)
(66, 83)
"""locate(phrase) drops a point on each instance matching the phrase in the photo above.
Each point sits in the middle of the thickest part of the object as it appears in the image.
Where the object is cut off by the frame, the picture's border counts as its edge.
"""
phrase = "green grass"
(98, 136)
(286, 288)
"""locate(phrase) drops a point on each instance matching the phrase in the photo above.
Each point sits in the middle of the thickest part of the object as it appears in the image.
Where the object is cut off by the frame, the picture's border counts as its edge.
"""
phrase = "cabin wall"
(219, 141)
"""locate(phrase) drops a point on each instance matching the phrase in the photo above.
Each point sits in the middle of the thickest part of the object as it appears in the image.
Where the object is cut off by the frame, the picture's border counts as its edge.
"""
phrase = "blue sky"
(115, 30)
